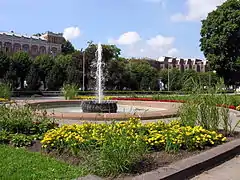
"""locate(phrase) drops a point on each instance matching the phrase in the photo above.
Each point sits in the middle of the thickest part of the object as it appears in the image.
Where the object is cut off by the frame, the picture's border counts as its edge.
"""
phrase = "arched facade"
(17, 47)
(11, 42)
(42, 50)
(8, 47)
(25, 48)
(34, 50)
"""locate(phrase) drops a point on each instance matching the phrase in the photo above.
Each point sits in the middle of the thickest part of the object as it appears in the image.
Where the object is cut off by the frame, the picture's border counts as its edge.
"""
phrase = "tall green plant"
(5, 91)
(202, 108)
(119, 153)
(70, 91)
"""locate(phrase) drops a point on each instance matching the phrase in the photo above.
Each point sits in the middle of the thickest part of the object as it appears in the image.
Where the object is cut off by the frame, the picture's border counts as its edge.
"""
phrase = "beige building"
(48, 43)
(183, 64)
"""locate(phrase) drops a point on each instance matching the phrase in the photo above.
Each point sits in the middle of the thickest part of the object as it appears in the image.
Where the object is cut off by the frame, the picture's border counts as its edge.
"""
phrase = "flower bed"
(3, 100)
(156, 135)
(147, 99)
(168, 100)
(91, 97)
(113, 149)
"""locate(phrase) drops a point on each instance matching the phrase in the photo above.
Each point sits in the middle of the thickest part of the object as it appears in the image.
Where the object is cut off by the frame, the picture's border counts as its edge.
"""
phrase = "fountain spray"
(99, 72)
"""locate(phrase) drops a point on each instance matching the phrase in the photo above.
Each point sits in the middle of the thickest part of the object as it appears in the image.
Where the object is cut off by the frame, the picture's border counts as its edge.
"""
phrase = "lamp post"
(168, 79)
(169, 61)
(83, 71)
(210, 78)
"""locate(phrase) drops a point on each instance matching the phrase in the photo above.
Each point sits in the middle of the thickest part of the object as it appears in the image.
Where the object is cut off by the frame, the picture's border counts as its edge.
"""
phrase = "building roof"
(21, 35)
(163, 58)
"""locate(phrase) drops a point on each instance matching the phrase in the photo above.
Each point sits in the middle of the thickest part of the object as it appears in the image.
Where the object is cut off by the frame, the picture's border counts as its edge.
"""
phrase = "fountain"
(99, 106)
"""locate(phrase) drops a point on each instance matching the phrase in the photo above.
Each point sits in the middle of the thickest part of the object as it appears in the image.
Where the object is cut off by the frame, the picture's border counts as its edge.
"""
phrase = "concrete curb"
(187, 168)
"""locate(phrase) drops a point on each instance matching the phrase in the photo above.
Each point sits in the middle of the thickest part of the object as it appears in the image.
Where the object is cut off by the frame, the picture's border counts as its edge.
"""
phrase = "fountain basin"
(72, 110)
(99, 107)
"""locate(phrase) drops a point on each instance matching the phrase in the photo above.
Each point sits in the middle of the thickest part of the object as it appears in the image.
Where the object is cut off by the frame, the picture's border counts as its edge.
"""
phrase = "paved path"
(229, 170)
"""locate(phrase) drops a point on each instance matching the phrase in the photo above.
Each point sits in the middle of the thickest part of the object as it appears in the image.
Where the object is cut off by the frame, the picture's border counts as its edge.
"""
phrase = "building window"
(25, 48)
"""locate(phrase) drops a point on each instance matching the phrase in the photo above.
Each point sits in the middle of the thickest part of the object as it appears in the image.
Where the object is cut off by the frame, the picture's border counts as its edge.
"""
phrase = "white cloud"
(153, 47)
(71, 33)
(172, 52)
(127, 38)
(160, 41)
(197, 10)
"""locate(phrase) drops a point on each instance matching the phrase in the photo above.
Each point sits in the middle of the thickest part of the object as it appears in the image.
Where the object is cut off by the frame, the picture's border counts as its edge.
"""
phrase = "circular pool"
(71, 109)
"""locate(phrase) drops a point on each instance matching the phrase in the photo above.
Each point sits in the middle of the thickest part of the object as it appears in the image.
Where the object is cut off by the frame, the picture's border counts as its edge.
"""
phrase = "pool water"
(121, 109)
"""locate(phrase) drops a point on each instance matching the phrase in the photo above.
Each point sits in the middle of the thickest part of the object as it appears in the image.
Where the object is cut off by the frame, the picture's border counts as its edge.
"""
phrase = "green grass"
(23, 165)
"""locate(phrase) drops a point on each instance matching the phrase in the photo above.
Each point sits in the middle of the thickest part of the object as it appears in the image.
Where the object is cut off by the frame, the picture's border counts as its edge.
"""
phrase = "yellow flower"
(224, 139)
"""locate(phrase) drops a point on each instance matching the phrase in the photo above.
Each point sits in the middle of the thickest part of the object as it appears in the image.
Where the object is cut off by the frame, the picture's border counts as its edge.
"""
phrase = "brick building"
(182, 64)
(48, 43)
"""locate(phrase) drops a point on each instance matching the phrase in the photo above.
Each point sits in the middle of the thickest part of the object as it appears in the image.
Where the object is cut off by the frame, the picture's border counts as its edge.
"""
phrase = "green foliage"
(4, 137)
(201, 109)
(117, 76)
(119, 154)
(141, 72)
(69, 91)
(176, 78)
(74, 71)
(5, 91)
(20, 140)
(33, 78)
(4, 65)
(55, 78)
(21, 63)
(44, 64)
(186, 80)
(220, 37)
(15, 119)
(67, 47)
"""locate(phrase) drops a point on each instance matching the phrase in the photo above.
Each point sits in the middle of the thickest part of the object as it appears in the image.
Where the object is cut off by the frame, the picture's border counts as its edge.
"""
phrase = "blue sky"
(141, 28)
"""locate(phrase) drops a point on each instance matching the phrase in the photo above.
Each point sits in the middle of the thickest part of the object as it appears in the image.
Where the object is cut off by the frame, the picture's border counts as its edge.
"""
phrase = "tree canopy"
(67, 47)
(220, 38)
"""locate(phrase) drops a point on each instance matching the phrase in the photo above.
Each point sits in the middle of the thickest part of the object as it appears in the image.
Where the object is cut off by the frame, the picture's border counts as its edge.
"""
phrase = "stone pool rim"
(171, 110)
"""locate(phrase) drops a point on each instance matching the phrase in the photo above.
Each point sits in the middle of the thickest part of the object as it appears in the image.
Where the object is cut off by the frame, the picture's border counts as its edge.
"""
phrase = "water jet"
(98, 105)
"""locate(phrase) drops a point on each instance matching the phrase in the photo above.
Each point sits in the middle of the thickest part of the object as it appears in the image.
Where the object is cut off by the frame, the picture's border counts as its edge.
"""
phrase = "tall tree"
(4, 65)
(220, 37)
(142, 75)
(109, 53)
(21, 63)
(45, 64)
(75, 69)
(117, 74)
(67, 47)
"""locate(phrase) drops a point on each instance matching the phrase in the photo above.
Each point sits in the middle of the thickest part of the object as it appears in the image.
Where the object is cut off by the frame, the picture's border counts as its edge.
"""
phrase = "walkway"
(229, 170)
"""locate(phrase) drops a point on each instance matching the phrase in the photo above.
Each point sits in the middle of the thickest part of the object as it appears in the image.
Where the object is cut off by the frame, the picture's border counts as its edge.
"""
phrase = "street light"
(169, 61)
(83, 70)
(210, 77)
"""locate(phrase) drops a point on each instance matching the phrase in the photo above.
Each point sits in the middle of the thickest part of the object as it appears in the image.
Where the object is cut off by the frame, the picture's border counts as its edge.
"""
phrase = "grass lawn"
(21, 164)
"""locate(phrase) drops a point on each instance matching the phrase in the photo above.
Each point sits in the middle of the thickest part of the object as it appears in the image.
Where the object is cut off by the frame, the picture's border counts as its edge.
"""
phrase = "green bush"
(70, 91)
(5, 91)
(17, 119)
(4, 137)
(20, 140)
